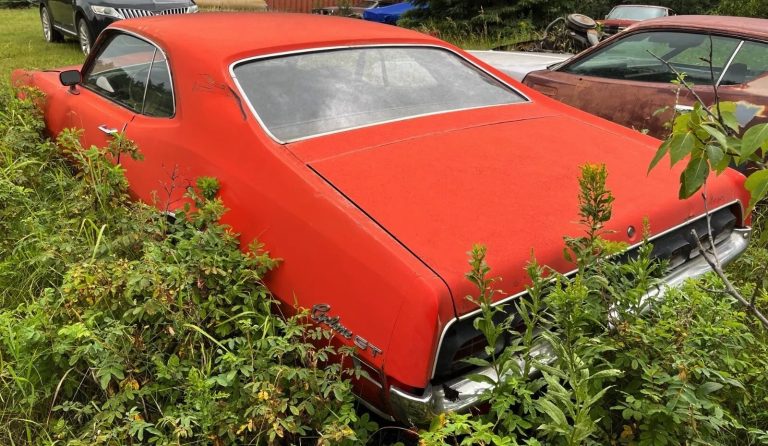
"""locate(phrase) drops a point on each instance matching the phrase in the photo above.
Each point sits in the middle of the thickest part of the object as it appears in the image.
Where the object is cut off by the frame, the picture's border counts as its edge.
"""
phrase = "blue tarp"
(387, 14)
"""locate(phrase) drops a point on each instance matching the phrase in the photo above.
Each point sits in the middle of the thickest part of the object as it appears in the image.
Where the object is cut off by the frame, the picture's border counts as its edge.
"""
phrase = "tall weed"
(688, 368)
(120, 326)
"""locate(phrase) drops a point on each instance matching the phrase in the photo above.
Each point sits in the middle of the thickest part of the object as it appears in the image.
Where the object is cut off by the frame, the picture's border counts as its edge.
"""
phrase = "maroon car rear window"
(302, 95)
(632, 12)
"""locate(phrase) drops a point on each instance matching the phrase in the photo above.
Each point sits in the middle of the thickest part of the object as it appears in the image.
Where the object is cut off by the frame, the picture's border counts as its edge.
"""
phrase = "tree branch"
(690, 89)
(729, 288)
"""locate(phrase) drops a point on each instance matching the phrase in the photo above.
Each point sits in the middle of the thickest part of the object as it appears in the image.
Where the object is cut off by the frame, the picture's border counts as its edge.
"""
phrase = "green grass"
(22, 45)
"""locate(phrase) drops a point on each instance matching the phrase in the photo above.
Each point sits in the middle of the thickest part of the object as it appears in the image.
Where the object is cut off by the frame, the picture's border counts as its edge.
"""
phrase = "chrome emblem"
(320, 315)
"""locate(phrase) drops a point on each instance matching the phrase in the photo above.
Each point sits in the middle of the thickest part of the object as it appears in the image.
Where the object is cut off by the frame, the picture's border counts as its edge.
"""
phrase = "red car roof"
(743, 26)
(227, 36)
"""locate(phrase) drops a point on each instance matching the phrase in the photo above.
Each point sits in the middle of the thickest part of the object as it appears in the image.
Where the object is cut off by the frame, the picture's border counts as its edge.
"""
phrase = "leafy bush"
(119, 325)
(686, 369)
(745, 8)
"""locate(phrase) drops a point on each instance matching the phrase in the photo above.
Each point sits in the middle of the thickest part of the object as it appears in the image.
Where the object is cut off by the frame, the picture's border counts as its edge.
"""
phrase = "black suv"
(85, 19)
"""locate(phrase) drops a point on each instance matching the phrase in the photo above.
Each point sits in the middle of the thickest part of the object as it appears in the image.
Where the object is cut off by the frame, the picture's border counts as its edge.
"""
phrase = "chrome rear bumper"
(420, 409)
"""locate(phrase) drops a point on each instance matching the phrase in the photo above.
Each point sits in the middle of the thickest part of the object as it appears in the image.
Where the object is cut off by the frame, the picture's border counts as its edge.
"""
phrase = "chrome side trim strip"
(65, 30)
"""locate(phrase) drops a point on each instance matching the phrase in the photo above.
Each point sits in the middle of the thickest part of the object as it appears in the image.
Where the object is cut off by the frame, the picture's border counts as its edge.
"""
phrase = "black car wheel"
(49, 32)
(84, 36)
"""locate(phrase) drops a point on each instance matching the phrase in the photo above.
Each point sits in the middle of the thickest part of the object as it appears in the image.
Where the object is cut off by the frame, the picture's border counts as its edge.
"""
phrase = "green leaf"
(682, 123)
(709, 387)
(476, 377)
(754, 138)
(681, 145)
(693, 177)
(715, 154)
(104, 380)
(715, 133)
(728, 115)
(757, 185)
(553, 412)
(659, 154)
(479, 362)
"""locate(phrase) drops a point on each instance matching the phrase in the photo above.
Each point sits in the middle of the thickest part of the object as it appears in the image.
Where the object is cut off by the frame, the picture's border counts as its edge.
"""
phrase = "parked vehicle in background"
(354, 10)
(623, 80)
(85, 19)
(387, 14)
(370, 159)
(623, 16)
(518, 64)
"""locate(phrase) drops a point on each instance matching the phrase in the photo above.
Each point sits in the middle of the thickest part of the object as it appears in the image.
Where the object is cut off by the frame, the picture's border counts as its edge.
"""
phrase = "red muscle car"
(370, 159)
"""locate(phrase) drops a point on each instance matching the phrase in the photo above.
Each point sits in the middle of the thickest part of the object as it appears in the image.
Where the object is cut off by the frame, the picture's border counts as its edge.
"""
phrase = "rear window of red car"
(297, 96)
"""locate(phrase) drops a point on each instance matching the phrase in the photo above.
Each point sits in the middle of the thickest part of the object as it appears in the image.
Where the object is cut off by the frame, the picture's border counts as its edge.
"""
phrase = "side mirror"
(70, 78)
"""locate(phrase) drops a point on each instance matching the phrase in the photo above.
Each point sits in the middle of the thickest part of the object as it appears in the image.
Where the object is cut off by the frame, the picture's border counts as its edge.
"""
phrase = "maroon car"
(623, 80)
(623, 16)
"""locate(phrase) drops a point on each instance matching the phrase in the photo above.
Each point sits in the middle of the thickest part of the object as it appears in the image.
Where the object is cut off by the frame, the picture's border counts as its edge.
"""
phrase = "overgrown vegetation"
(687, 369)
(120, 326)
(489, 23)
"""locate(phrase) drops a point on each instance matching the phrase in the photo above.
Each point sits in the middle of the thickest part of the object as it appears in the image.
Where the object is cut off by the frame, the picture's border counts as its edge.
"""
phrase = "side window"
(632, 58)
(134, 74)
(749, 64)
(159, 98)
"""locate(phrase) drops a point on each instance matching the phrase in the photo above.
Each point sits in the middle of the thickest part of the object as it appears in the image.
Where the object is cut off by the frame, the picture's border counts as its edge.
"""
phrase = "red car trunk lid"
(512, 186)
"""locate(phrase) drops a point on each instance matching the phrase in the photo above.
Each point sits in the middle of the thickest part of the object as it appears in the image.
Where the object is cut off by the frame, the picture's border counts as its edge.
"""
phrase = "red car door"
(128, 88)
(98, 117)
(114, 88)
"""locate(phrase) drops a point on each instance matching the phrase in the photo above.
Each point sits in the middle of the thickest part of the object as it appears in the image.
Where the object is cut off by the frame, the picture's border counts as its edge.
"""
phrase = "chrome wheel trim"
(47, 33)
(82, 35)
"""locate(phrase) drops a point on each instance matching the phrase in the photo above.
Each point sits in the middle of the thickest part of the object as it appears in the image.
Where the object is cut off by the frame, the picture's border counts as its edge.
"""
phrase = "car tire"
(84, 36)
(50, 34)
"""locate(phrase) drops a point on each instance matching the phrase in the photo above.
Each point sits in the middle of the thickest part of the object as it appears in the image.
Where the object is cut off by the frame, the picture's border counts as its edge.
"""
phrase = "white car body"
(519, 63)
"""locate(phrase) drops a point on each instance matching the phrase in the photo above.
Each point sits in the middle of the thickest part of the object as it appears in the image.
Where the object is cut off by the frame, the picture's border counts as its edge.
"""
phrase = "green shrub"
(120, 326)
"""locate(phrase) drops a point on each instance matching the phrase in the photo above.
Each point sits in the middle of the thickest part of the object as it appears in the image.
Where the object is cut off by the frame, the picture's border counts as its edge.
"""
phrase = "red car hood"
(511, 186)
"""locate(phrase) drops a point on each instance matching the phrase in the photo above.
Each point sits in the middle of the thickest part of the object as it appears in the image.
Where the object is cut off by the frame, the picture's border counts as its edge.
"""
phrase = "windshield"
(636, 12)
(301, 95)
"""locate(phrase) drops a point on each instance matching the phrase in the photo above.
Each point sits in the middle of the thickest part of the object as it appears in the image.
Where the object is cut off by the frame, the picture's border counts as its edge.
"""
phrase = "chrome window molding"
(728, 64)
(96, 50)
(526, 99)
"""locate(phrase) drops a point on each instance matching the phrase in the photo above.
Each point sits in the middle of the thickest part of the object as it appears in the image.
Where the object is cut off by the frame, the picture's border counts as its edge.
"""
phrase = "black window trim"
(107, 37)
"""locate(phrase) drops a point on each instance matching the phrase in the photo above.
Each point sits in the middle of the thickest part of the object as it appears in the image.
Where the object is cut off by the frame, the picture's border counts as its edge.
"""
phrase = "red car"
(370, 159)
